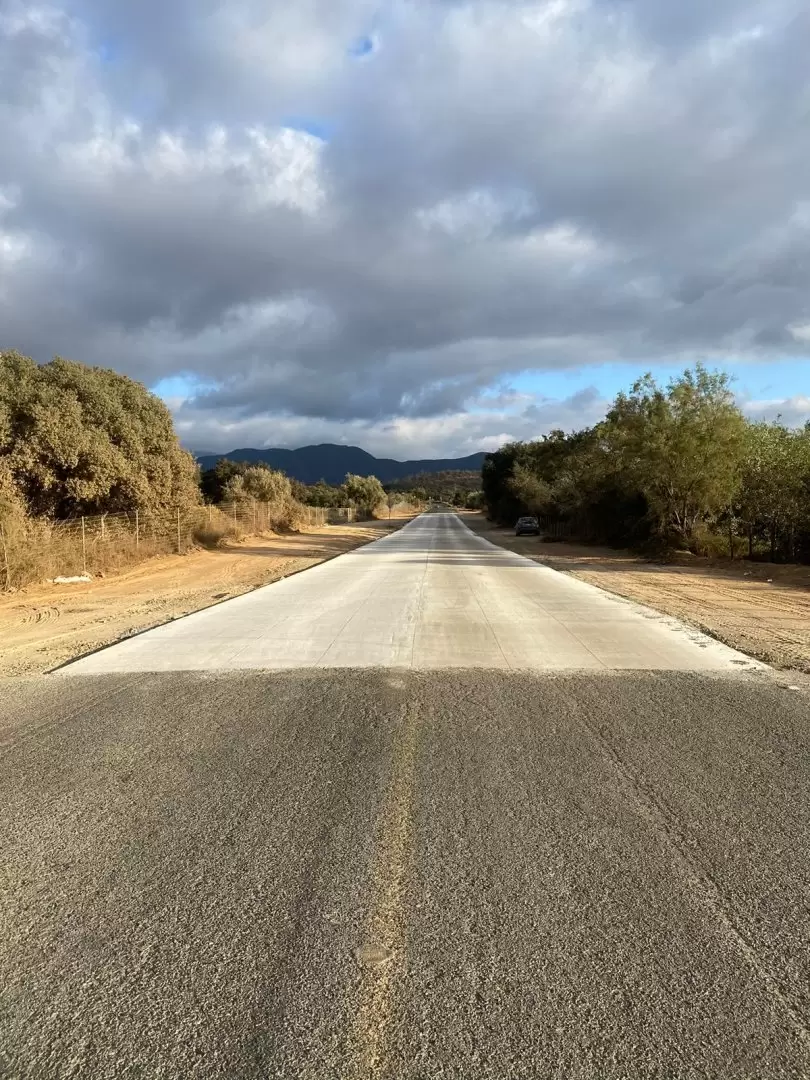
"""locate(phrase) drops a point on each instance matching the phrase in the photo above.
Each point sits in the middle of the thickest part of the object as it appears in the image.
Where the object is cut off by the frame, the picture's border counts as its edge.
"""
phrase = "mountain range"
(331, 462)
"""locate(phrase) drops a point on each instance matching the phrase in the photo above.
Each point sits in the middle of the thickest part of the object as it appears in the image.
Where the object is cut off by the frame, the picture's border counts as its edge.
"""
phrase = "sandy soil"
(761, 609)
(45, 625)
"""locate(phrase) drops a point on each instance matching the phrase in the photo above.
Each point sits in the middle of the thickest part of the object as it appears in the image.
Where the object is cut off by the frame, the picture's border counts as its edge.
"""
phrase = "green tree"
(213, 481)
(86, 440)
(323, 494)
(260, 483)
(775, 484)
(534, 492)
(235, 489)
(267, 485)
(680, 447)
(364, 492)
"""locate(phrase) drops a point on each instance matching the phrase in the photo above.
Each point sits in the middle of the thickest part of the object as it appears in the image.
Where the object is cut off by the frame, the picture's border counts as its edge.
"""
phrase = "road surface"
(432, 595)
(396, 872)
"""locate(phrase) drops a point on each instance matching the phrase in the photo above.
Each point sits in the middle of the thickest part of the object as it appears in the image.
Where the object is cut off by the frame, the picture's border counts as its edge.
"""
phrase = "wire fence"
(35, 549)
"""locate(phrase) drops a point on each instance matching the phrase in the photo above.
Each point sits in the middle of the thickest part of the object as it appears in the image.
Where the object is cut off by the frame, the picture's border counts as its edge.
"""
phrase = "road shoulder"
(45, 626)
(756, 608)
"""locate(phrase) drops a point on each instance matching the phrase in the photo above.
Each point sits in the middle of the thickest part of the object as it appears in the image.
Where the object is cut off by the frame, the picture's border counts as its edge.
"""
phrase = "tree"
(364, 492)
(235, 489)
(323, 494)
(213, 481)
(260, 483)
(86, 440)
(533, 491)
(501, 501)
(680, 448)
(775, 483)
(267, 485)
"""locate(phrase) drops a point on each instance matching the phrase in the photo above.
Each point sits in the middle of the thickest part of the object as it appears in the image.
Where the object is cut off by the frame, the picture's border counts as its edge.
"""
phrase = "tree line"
(677, 467)
(229, 479)
(83, 441)
(457, 487)
(232, 481)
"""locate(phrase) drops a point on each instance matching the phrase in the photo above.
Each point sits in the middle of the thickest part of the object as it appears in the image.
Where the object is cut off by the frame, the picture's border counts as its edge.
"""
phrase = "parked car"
(527, 526)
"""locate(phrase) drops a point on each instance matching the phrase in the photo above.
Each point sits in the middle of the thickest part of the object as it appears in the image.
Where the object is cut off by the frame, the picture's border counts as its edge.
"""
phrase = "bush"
(215, 536)
(84, 440)
(287, 515)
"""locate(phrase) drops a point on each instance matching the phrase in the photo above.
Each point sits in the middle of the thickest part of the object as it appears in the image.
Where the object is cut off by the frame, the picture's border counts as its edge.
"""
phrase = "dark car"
(527, 526)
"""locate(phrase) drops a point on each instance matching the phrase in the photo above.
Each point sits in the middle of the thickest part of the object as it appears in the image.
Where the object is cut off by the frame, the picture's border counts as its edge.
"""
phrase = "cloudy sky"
(421, 226)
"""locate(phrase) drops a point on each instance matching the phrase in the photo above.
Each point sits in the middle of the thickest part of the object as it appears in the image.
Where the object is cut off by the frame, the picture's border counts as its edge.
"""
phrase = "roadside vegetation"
(454, 487)
(93, 479)
(675, 468)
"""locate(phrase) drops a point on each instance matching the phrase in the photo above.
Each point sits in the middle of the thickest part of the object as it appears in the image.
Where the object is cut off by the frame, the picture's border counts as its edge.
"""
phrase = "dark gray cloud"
(508, 186)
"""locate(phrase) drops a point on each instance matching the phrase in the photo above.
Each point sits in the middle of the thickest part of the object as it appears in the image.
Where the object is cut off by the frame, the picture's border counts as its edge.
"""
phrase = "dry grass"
(35, 550)
(45, 625)
(397, 512)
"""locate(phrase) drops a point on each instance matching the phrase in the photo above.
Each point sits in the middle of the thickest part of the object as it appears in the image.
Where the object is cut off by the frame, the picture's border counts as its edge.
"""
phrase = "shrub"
(86, 440)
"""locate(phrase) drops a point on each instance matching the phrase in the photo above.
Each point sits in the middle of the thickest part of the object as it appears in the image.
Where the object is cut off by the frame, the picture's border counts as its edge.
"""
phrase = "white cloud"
(504, 187)
(792, 411)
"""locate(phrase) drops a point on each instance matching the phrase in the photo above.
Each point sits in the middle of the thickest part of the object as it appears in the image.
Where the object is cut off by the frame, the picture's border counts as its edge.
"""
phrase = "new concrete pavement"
(432, 595)
(364, 873)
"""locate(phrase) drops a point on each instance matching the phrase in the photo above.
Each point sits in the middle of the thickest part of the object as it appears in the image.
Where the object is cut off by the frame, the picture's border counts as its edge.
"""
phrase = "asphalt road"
(432, 595)
(395, 873)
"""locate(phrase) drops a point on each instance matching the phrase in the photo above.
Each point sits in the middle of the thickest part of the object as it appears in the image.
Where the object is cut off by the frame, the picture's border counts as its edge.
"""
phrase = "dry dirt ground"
(761, 609)
(45, 625)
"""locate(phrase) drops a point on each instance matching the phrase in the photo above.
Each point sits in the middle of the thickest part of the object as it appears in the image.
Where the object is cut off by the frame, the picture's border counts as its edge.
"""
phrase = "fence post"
(179, 550)
(233, 507)
(103, 535)
(137, 531)
(255, 522)
(84, 549)
(5, 559)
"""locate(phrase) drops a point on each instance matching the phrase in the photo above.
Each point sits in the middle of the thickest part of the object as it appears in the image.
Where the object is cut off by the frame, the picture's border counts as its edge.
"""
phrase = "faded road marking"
(382, 953)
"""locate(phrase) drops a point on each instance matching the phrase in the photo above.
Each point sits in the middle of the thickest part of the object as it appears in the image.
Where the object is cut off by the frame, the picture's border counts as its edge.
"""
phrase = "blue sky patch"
(751, 379)
(184, 386)
(312, 125)
(361, 46)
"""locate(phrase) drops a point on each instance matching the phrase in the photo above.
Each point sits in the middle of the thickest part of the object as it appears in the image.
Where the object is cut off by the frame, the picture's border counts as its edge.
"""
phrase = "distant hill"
(331, 462)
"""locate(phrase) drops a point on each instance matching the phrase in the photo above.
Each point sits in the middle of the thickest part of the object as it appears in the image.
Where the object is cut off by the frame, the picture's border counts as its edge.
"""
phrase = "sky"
(420, 226)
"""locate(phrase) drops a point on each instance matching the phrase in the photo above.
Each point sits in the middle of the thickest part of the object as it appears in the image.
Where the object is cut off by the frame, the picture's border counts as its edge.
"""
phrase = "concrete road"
(432, 595)
(402, 874)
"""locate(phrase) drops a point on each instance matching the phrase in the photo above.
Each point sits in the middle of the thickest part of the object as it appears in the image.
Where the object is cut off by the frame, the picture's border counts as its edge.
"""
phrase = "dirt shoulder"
(761, 609)
(46, 625)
